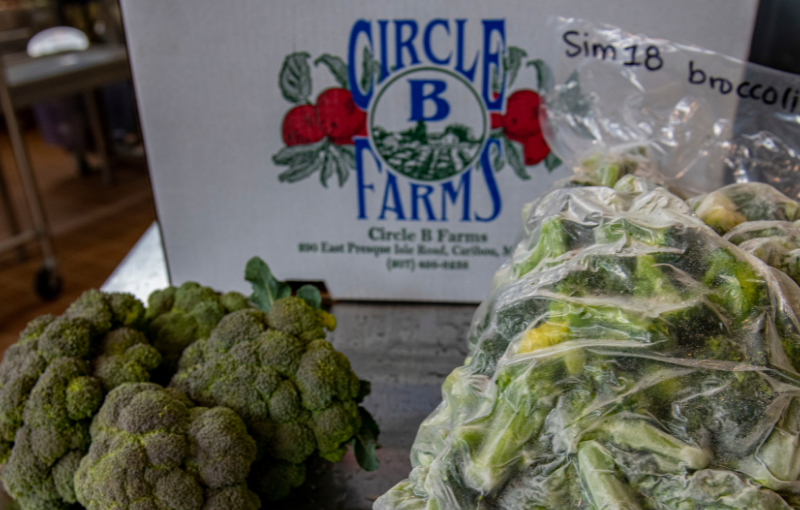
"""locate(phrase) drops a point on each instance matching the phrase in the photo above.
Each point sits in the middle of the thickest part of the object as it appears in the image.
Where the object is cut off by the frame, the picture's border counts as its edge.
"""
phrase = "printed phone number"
(393, 264)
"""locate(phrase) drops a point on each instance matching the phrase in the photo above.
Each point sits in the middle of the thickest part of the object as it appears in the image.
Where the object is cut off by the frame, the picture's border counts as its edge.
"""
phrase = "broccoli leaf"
(266, 289)
(295, 78)
(364, 389)
(311, 295)
(337, 66)
(366, 442)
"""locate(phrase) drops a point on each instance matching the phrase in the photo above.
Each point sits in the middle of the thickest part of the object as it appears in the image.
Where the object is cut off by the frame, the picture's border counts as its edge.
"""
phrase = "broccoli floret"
(55, 435)
(126, 310)
(92, 306)
(295, 317)
(275, 480)
(21, 367)
(67, 337)
(296, 395)
(553, 242)
(178, 317)
(160, 302)
(234, 301)
(732, 205)
(125, 356)
(737, 287)
(152, 449)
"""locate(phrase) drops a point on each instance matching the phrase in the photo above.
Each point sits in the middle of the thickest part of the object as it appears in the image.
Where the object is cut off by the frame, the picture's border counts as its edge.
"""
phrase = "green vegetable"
(180, 316)
(53, 380)
(151, 448)
(295, 392)
(633, 359)
(776, 243)
(733, 205)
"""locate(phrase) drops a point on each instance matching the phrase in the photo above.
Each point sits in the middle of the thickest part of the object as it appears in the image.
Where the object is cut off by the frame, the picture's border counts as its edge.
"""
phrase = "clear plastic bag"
(732, 205)
(776, 243)
(627, 357)
(707, 120)
(627, 354)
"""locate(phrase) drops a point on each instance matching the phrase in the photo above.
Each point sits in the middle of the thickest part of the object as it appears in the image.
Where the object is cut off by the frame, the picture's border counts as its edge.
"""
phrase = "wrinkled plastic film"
(705, 119)
(627, 357)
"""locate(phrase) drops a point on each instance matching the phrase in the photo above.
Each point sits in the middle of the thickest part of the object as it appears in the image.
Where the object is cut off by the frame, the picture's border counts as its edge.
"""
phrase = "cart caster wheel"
(47, 284)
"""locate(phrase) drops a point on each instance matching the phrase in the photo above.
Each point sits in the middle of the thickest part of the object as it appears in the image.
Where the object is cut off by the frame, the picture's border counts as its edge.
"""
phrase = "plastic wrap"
(628, 357)
(705, 119)
(777, 243)
(732, 205)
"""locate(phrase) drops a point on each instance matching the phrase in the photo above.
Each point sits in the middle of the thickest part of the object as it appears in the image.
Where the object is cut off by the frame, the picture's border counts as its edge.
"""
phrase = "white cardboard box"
(213, 99)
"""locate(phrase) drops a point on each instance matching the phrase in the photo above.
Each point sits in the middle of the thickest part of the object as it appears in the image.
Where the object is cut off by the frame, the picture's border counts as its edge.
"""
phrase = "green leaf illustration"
(495, 153)
(346, 161)
(310, 295)
(295, 78)
(328, 169)
(302, 170)
(544, 76)
(515, 156)
(298, 153)
(551, 162)
(337, 66)
(512, 61)
(371, 67)
(266, 289)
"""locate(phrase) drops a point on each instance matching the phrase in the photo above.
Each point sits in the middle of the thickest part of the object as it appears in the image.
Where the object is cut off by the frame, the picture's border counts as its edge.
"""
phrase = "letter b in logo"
(425, 91)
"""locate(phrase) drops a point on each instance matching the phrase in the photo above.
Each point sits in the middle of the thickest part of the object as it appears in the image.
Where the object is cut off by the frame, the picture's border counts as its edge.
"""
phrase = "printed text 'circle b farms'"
(428, 124)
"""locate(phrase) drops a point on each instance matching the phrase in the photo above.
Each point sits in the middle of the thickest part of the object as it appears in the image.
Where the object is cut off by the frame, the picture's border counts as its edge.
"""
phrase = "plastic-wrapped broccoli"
(735, 204)
(151, 448)
(296, 393)
(777, 243)
(54, 379)
(179, 316)
(628, 357)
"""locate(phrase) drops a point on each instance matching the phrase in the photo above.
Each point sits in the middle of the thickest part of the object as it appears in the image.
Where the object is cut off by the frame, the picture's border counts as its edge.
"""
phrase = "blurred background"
(69, 125)
(74, 190)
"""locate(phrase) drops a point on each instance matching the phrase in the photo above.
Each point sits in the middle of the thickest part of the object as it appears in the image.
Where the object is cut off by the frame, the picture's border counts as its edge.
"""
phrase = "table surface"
(405, 350)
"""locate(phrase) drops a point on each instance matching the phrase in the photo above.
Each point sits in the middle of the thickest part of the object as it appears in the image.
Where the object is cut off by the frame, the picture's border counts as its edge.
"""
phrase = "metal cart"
(25, 81)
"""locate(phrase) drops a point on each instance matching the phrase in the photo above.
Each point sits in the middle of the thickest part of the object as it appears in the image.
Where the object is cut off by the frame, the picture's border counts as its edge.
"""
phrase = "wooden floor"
(94, 227)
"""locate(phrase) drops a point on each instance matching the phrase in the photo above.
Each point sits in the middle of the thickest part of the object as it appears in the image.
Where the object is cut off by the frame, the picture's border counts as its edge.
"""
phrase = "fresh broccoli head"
(152, 449)
(295, 392)
(180, 316)
(54, 379)
(55, 435)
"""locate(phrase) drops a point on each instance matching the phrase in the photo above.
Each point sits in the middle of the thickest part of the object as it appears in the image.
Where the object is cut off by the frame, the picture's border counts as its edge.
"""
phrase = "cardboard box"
(361, 142)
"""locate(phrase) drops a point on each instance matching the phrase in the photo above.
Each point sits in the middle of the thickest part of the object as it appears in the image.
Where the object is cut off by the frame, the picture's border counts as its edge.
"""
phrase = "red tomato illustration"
(497, 120)
(522, 115)
(338, 116)
(300, 126)
(536, 150)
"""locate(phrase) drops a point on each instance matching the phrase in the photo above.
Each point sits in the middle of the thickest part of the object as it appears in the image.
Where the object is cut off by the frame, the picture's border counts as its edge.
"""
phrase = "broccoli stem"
(778, 460)
(598, 473)
(552, 243)
(497, 441)
(638, 434)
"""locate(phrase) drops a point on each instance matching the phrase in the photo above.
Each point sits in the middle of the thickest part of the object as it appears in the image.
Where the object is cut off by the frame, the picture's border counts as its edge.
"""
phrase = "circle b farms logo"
(422, 116)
